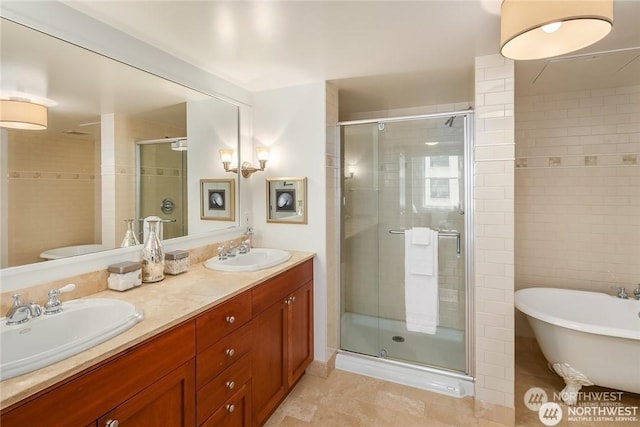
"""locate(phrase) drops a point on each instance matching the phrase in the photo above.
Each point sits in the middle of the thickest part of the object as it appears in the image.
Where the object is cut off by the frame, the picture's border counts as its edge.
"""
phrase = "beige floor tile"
(345, 399)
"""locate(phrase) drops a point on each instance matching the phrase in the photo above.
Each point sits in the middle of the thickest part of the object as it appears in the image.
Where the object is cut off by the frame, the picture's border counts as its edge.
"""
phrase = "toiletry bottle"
(152, 255)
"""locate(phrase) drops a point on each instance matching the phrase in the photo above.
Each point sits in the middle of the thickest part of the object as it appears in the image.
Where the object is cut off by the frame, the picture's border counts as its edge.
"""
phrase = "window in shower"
(442, 176)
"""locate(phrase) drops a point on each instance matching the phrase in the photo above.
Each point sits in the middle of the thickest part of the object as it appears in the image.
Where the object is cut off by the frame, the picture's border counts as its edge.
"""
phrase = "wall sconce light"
(535, 29)
(20, 114)
(226, 156)
(263, 156)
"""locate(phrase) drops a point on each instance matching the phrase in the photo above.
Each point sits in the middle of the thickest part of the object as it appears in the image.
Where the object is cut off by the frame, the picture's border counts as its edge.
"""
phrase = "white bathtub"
(68, 251)
(589, 338)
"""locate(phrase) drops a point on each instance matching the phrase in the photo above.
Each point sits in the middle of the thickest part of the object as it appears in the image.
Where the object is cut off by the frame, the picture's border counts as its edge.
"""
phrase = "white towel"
(421, 236)
(421, 289)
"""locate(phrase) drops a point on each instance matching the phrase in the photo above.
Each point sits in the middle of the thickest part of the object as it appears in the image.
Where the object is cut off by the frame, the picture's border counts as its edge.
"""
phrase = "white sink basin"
(47, 339)
(257, 259)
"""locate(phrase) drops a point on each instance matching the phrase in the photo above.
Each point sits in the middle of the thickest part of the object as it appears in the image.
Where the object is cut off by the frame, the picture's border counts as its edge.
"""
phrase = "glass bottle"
(130, 238)
(152, 255)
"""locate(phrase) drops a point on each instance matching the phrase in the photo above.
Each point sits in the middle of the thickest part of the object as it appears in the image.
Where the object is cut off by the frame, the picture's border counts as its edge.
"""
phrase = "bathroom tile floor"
(345, 399)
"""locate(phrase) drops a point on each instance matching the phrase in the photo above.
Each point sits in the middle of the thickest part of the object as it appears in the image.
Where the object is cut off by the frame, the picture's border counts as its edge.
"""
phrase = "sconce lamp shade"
(17, 114)
(262, 153)
(226, 155)
(535, 29)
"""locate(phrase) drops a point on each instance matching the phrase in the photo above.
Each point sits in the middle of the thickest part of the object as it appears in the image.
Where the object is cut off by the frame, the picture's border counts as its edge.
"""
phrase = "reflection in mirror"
(74, 185)
(162, 184)
(287, 200)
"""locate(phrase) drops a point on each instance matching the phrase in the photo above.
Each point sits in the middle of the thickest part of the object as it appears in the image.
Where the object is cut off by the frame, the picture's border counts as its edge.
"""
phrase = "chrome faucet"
(21, 312)
(244, 247)
(53, 304)
(636, 292)
(232, 250)
(622, 292)
(222, 253)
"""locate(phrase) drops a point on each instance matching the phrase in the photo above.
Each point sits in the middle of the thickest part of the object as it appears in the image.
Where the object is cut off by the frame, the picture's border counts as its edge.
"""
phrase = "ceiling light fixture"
(22, 114)
(535, 29)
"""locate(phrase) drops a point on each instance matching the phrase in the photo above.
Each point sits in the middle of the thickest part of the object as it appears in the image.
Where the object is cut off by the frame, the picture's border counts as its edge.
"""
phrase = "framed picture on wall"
(285, 200)
(217, 199)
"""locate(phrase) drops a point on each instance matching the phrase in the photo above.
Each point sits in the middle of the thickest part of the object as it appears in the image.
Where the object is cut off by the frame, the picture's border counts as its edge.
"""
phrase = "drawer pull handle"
(231, 385)
(231, 407)
(230, 352)
(293, 299)
(230, 319)
(112, 423)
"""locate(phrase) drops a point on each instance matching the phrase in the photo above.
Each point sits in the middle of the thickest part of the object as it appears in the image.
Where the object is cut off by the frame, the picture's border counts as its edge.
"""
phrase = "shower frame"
(468, 116)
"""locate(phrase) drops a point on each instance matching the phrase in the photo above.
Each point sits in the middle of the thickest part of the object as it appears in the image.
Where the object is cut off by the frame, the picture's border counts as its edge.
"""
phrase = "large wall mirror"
(120, 144)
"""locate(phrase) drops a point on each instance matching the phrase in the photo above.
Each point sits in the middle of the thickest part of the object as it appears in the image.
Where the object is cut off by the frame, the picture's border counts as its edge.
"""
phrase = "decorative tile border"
(578, 160)
(30, 175)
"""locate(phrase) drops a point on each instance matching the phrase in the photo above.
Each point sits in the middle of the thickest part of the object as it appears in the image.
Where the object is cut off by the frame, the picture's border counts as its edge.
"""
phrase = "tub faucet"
(622, 293)
(636, 292)
(21, 312)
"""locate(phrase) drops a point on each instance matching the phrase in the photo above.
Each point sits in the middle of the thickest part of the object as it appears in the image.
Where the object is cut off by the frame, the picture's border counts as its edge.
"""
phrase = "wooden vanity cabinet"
(150, 384)
(228, 367)
(283, 343)
(223, 380)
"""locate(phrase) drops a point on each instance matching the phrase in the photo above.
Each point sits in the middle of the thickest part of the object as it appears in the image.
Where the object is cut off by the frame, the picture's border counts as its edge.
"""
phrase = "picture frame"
(217, 200)
(287, 200)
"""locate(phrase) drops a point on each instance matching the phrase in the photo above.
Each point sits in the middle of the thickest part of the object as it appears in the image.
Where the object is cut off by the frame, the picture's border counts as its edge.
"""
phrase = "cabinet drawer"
(222, 387)
(221, 320)
(223, 354)
(235, 412)
(281, 286)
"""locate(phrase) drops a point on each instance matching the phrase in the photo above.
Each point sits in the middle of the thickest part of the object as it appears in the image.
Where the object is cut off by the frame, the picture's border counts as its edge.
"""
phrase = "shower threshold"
(440, 381)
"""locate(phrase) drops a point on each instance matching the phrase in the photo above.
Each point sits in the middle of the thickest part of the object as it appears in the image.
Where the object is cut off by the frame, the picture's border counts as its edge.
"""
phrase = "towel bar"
(441, 233)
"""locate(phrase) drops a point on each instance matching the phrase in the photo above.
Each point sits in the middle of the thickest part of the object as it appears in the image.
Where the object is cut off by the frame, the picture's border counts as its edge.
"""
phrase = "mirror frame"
(63, 22)
(273, 201)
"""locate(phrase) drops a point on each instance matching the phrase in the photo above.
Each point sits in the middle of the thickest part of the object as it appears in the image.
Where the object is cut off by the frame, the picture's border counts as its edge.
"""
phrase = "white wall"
(291, 122)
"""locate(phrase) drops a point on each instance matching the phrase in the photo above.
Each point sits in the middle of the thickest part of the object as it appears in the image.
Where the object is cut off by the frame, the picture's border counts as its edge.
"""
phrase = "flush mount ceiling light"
(535, 29)
(19, 114)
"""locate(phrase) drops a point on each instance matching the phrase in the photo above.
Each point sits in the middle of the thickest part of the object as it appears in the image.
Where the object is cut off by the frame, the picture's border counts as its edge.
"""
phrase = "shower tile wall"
(50, 180)
(578, 190)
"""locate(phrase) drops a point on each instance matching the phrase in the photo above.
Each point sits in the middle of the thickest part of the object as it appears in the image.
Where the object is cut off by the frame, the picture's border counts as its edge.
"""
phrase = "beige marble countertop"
(165, 304)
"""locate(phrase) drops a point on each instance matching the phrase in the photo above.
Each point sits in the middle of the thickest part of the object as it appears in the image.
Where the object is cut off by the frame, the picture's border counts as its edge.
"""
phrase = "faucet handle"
(222, 253)
(53, 304)
(622, 292)
(636, 292)
(16, 300)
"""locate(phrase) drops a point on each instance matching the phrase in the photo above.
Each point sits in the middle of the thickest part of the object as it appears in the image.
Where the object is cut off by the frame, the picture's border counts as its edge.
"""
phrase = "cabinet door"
(300, 332)
(269, 369)
(169, 402)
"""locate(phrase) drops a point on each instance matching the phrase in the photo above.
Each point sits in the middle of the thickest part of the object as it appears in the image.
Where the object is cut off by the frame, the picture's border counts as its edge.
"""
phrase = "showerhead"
(449, 121)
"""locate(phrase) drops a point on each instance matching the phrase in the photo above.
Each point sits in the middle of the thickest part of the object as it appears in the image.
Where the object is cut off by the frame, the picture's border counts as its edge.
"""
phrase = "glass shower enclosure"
(398, 174)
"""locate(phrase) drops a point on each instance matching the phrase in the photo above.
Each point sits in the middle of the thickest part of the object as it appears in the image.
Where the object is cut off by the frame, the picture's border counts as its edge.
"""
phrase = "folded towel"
(421, 236)
(419, 257)
(421, 290)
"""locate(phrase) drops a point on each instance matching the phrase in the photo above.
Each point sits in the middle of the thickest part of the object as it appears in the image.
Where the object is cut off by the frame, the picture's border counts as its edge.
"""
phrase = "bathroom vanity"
(228, 363)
